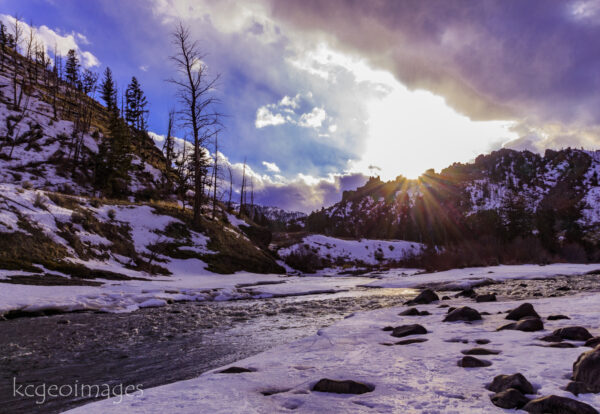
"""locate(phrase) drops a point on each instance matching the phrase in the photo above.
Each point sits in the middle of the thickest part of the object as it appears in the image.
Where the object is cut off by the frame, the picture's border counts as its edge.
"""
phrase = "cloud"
(264, 118)
(313, 119)
(535, 62)
(143, 68)
(271, 166)
(51, 39)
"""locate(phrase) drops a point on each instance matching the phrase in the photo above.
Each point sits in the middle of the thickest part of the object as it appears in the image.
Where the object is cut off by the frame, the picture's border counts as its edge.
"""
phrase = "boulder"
(557, 317)
(406, 330)
(573, 333)
(342, 387)
(480, 351)
(551, 338)
(488, 297)
(526, 309)
(482, 341)
(593, 342)
(509, 398)
(410, 312)
(411, 341)
(516, 381)
(587, 369)
(472, 362)
(561, 345)
(527, 324)
(553, 404)
(576, 387)
(467, 293)
(235, 370)
(463, 314)
(425, 297)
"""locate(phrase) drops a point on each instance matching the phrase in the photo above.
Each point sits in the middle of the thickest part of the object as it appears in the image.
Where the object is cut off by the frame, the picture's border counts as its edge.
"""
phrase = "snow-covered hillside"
(342, 252)
(39, 150)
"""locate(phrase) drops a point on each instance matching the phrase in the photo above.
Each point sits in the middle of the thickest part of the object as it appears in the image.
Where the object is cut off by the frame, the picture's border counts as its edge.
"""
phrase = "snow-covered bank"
(415, 378)
(190, 281)
(365, 251)
(473, 276)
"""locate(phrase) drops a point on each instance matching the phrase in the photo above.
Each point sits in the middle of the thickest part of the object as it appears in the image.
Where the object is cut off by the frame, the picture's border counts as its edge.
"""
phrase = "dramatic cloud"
(338, 88)
(52, 40)
(536, 61)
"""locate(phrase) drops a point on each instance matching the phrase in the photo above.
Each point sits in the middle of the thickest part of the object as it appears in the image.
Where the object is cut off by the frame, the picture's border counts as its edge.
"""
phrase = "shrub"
(305, 260)
(40, 202)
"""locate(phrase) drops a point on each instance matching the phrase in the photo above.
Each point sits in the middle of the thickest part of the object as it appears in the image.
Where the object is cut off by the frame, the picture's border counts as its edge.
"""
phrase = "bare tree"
(195, 93)
(230, 186)
(215, 176)
(17, 32)
(243, 188)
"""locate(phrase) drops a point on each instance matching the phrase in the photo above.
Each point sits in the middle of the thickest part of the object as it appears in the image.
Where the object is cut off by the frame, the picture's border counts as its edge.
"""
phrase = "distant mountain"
(503, 198)
(275, 218)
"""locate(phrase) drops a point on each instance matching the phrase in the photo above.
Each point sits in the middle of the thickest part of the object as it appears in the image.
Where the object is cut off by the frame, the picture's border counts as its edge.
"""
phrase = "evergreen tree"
(113, 161)
(136, 102)
(72, 68)
(88, 81)
(109, 91)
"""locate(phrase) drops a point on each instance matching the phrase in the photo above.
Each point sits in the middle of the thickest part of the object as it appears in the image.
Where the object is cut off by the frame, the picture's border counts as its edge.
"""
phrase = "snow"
(468, 277)
(365, 250)
(415, 378)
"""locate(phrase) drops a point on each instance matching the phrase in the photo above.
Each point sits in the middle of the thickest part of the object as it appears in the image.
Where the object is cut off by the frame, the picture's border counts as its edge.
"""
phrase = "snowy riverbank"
(418, 377)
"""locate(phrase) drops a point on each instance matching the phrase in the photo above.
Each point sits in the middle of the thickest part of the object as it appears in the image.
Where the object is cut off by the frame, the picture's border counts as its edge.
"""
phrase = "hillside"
(539, 208)
(62, 225)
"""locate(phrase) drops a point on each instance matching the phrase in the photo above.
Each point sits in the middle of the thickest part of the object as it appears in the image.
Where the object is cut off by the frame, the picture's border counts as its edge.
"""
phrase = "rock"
(526, 309)
(467, 293)
(413, 312)
(406, 330)
(553, 404)
(342, 387)
(573, 333)
(410, 312)
(388, 328)
(516, 381)
(561, 345)
(425, 297)
(563, 288)
(551, 338)
(480, 351)
(450, 309)
(463, 314)
(472, 362)
(484, 313)
(593, 342)
(444, 305)
(235, 370)
(488, 297)
(576, 387)
(527, 324)
(411, 341)
(509, 398)
(445, 297)
(482, 341)
(587, 369)
(557, 317)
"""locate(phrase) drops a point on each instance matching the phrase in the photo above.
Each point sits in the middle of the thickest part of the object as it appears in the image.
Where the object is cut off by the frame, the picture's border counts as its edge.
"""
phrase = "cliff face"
(507, 194)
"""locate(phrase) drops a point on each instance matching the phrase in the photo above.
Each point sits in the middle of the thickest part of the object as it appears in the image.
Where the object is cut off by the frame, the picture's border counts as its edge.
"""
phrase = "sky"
(319, 95)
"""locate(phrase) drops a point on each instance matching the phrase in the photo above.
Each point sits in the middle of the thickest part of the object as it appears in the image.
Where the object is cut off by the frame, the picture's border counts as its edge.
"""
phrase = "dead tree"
(196, 96)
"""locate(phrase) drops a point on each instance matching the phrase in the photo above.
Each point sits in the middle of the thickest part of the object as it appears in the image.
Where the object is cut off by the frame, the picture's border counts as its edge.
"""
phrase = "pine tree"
(88, 81)
(136, 102)
(109, 91)
(113, 161)
(72, 68)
